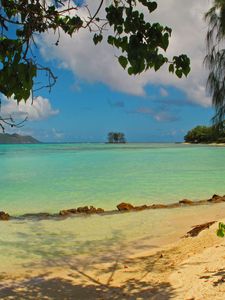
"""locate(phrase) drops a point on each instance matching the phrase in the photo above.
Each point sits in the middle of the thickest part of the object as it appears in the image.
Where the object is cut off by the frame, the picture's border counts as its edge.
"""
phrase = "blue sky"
(93, 95)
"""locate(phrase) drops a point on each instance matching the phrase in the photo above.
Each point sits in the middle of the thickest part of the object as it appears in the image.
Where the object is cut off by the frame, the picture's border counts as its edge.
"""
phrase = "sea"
(51, 177)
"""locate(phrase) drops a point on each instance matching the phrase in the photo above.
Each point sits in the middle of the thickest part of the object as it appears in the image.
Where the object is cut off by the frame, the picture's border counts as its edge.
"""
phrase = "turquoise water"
(36, 178)
(50, 177)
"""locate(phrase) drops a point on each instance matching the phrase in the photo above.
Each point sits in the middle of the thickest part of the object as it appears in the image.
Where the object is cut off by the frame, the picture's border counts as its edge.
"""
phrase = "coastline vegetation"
(204, 134)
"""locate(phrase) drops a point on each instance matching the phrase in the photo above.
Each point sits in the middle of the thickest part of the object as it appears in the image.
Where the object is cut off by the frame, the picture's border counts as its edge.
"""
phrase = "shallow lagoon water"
(81, 242)
(36, 178)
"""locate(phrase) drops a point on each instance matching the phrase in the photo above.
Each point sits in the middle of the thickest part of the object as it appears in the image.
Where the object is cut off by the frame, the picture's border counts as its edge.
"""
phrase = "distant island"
(205, 135)
(6, 138)
(116, 138)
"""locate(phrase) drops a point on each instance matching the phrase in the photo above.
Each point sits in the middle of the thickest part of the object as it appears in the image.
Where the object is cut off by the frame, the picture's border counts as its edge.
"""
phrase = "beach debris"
(4, 216)
(186, 201)
(198, 228)
(125, 206)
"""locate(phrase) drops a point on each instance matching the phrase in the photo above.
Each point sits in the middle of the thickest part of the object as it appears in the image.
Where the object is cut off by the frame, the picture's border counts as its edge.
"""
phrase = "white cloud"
(163, 92)
(38, 110)
(22, 131)
(159, 116)
(99, 64)
(57, 134)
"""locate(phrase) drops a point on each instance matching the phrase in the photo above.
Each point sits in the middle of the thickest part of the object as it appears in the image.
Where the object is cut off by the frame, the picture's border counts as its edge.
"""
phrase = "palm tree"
(215, 59)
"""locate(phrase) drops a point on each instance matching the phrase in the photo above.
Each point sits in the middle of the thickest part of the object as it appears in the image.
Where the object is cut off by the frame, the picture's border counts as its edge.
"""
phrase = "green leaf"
(179, 73)
(110, 40)
(171, 68)
(220, 233)
(165, 41)
(221, 226)
(97, 38)
(130, 71)
(186, 70)
(123, 61)
(119, 29)
(152, 6)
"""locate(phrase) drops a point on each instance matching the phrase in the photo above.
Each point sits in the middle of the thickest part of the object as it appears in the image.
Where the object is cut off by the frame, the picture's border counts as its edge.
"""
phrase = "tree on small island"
(116, 138)
(204, 134)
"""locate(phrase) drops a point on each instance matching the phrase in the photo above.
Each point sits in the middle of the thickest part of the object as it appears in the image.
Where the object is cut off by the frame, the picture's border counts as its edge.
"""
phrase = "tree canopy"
(116, 138)
(204, 134)
(215, 58)
(125, 25)
(142, 44)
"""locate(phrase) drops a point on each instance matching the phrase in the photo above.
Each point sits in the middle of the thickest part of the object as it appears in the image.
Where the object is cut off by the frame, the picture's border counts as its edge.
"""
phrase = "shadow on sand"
(58, 288)
(82, 277)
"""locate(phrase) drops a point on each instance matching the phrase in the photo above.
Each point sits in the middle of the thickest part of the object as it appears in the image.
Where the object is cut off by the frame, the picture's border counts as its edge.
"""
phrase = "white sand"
(192, 268)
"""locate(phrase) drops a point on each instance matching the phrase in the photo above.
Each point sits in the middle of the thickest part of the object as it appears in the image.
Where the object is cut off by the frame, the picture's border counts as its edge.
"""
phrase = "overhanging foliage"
(142, 44)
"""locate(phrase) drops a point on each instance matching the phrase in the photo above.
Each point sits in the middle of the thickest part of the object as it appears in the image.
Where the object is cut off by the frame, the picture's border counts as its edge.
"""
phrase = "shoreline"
(177, 268)
(208, 144)
(121, 208)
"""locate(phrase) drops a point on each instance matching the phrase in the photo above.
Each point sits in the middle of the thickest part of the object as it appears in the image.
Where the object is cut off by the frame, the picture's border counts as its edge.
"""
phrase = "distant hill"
(6, 138)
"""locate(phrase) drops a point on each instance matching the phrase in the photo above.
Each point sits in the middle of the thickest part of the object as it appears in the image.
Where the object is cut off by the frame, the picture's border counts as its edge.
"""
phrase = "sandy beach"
(141, 254)
(190, 268)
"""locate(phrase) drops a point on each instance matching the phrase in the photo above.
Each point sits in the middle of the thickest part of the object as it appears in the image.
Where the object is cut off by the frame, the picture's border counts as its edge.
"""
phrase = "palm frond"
(215, 58)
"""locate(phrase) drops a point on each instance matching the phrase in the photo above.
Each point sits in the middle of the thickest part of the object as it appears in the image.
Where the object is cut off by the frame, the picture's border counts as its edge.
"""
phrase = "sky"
(93, 95)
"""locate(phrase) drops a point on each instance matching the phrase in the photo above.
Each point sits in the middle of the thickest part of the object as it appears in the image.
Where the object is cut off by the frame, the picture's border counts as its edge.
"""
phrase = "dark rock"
(216, 199)
(142, 207)
(125, 207)
(67, 212)
(63, 212)
(73, 210)
(83, 209)
(92, 210)
(36, 215)
(100, 210)
(200, 202)
(186, 201)
(4, 216)
(173, 205)
(156, 206)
